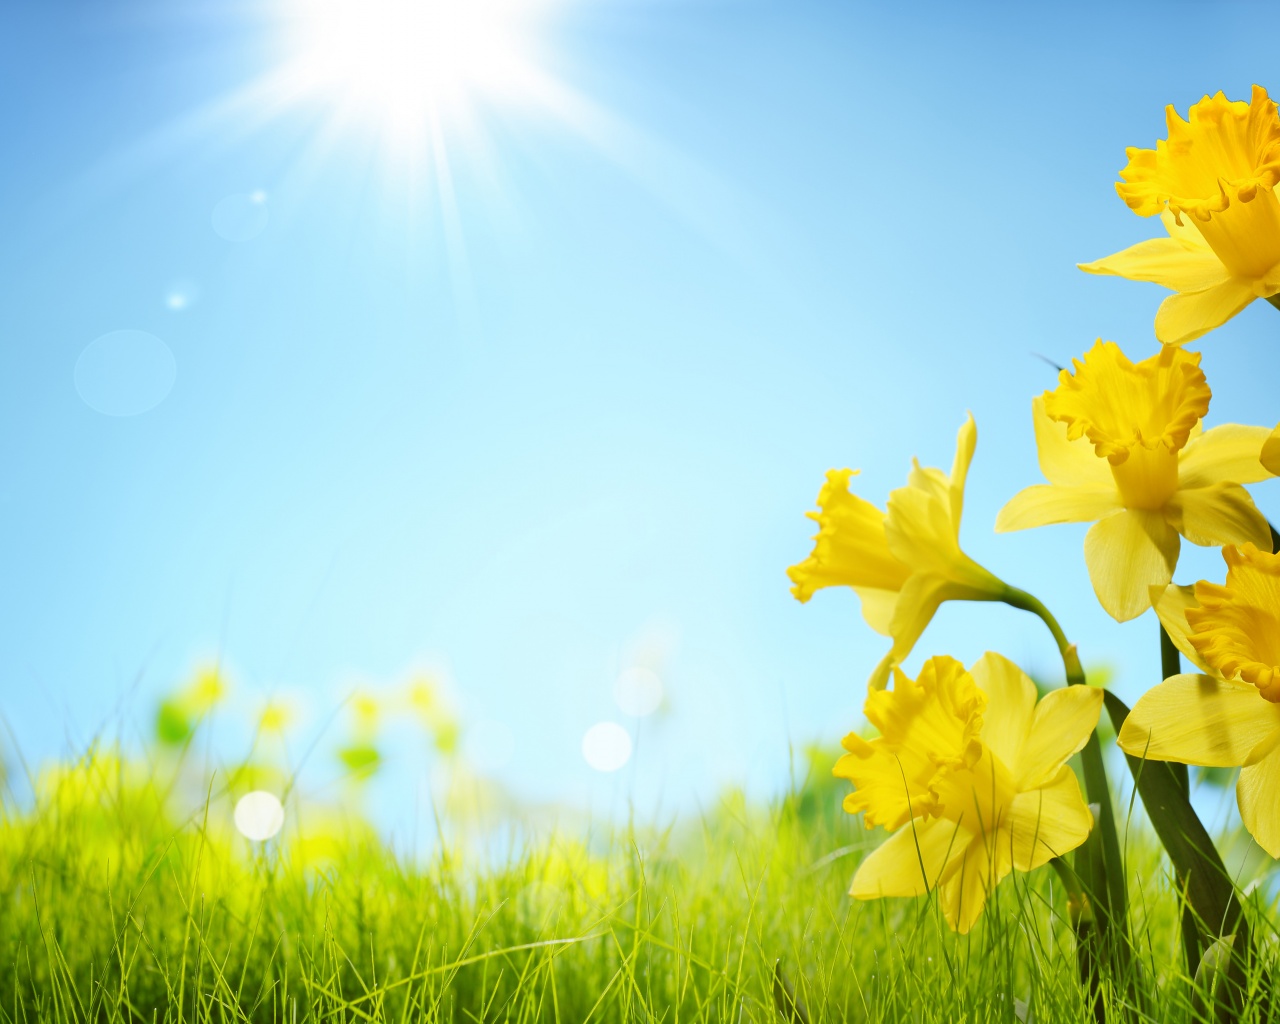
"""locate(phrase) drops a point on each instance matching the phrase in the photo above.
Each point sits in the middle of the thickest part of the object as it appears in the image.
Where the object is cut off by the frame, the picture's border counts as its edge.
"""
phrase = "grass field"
(116, 909)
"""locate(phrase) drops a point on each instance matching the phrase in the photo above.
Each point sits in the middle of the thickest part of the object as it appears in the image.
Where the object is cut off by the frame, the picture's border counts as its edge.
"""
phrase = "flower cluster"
(969, 771)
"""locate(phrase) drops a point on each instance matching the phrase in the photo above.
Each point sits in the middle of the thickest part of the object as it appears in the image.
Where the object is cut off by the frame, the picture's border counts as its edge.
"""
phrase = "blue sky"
(576, 408)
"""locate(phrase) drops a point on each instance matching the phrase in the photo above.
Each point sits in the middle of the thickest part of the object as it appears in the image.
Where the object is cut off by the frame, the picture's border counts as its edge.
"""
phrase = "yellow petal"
(1171, 603)
(1187, 315)
(912, 861)
(1218, 515)
(881, 674)
(1011, 704)
(1226, 454)
(1128, 553)
(1259, 809)
(965, 893)
(877, 607)
(1046, 504)
(1062, 724)
(891, 785)
(1199, 719)
(918, 603)
(1165, 261)
(1063, 461)
(1270, 457)
(850, 548)
(966, 442)
(1048, 821)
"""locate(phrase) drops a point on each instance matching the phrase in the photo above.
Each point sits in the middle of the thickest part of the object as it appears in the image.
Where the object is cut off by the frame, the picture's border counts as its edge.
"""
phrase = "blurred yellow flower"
(277, 716)
(1121, 446)
(1220, 168)
(904, 563)
(972, 773)
(1228, 715)
(206, 690)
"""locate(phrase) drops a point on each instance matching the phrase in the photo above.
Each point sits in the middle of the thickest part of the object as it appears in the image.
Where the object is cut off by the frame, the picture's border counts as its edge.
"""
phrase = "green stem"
(1171, 665)
(1105, 874)
(1274, 300)
(1083, 926)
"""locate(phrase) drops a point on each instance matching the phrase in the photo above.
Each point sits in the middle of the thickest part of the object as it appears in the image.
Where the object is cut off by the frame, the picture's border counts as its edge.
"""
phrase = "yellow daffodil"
(902, 563)
(1228, 715)
(1213, 184)
(971, 771)
(1121, 446)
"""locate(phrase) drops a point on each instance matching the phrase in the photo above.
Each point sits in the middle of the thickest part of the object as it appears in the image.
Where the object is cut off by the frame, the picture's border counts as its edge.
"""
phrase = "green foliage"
(118, 908)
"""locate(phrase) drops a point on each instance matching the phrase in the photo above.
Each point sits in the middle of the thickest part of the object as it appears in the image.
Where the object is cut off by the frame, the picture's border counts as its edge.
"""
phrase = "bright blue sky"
(582, 408)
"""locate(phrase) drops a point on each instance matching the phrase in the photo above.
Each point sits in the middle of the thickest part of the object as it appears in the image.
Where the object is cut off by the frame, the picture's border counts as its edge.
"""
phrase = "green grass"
(114, 908)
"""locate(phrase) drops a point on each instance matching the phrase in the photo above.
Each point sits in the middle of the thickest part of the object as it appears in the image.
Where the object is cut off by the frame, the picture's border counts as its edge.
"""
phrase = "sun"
(411, 64)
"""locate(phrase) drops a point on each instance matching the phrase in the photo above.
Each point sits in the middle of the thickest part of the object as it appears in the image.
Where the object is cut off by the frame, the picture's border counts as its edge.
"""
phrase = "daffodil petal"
(1011, 704)
(877, 607)
(1259, 809)
(1199, 719)
(964, 895)
(919, 601)
(1218, 515)
(881, 674)
(912, 861)
(1171, 603)
(1061, 726)
(1063, 461)
(1046, 504)
(966, 443)
(1050, 820)
(1164, 261)
(1185, 316)
(1127, 553)
(1230, 453)
(1270, 457)
(1185, 234)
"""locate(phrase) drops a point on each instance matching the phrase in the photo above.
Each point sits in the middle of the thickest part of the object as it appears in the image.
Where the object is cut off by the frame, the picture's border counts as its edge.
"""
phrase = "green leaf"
(361, 759)
(1210, 893)
(1209, 888)
(173, 727)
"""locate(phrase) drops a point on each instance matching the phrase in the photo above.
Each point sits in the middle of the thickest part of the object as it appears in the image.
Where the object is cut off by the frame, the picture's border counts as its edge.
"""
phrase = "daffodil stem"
(1106, 880)
(1171, 665)
(1274, 300)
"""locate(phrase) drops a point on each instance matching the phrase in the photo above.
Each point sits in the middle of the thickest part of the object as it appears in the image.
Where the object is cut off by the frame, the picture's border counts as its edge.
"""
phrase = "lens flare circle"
(259, 815)
(125, 373)
(606, 746)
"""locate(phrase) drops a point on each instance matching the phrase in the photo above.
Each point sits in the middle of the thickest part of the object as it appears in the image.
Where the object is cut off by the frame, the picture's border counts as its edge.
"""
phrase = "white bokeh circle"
(259, 815)
(606, 746)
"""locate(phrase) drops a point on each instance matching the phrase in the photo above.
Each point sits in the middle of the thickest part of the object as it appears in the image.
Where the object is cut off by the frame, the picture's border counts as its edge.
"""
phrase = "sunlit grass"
(118, 903)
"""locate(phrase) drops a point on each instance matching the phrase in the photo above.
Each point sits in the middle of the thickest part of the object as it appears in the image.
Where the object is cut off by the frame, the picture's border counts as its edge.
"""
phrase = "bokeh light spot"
(125, 373)
(606, 746)
(259, 815)
(240, 217)
(638, 691)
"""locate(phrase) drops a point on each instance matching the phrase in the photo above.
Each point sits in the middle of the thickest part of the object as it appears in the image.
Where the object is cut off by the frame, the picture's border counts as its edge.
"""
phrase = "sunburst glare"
(410, 65)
